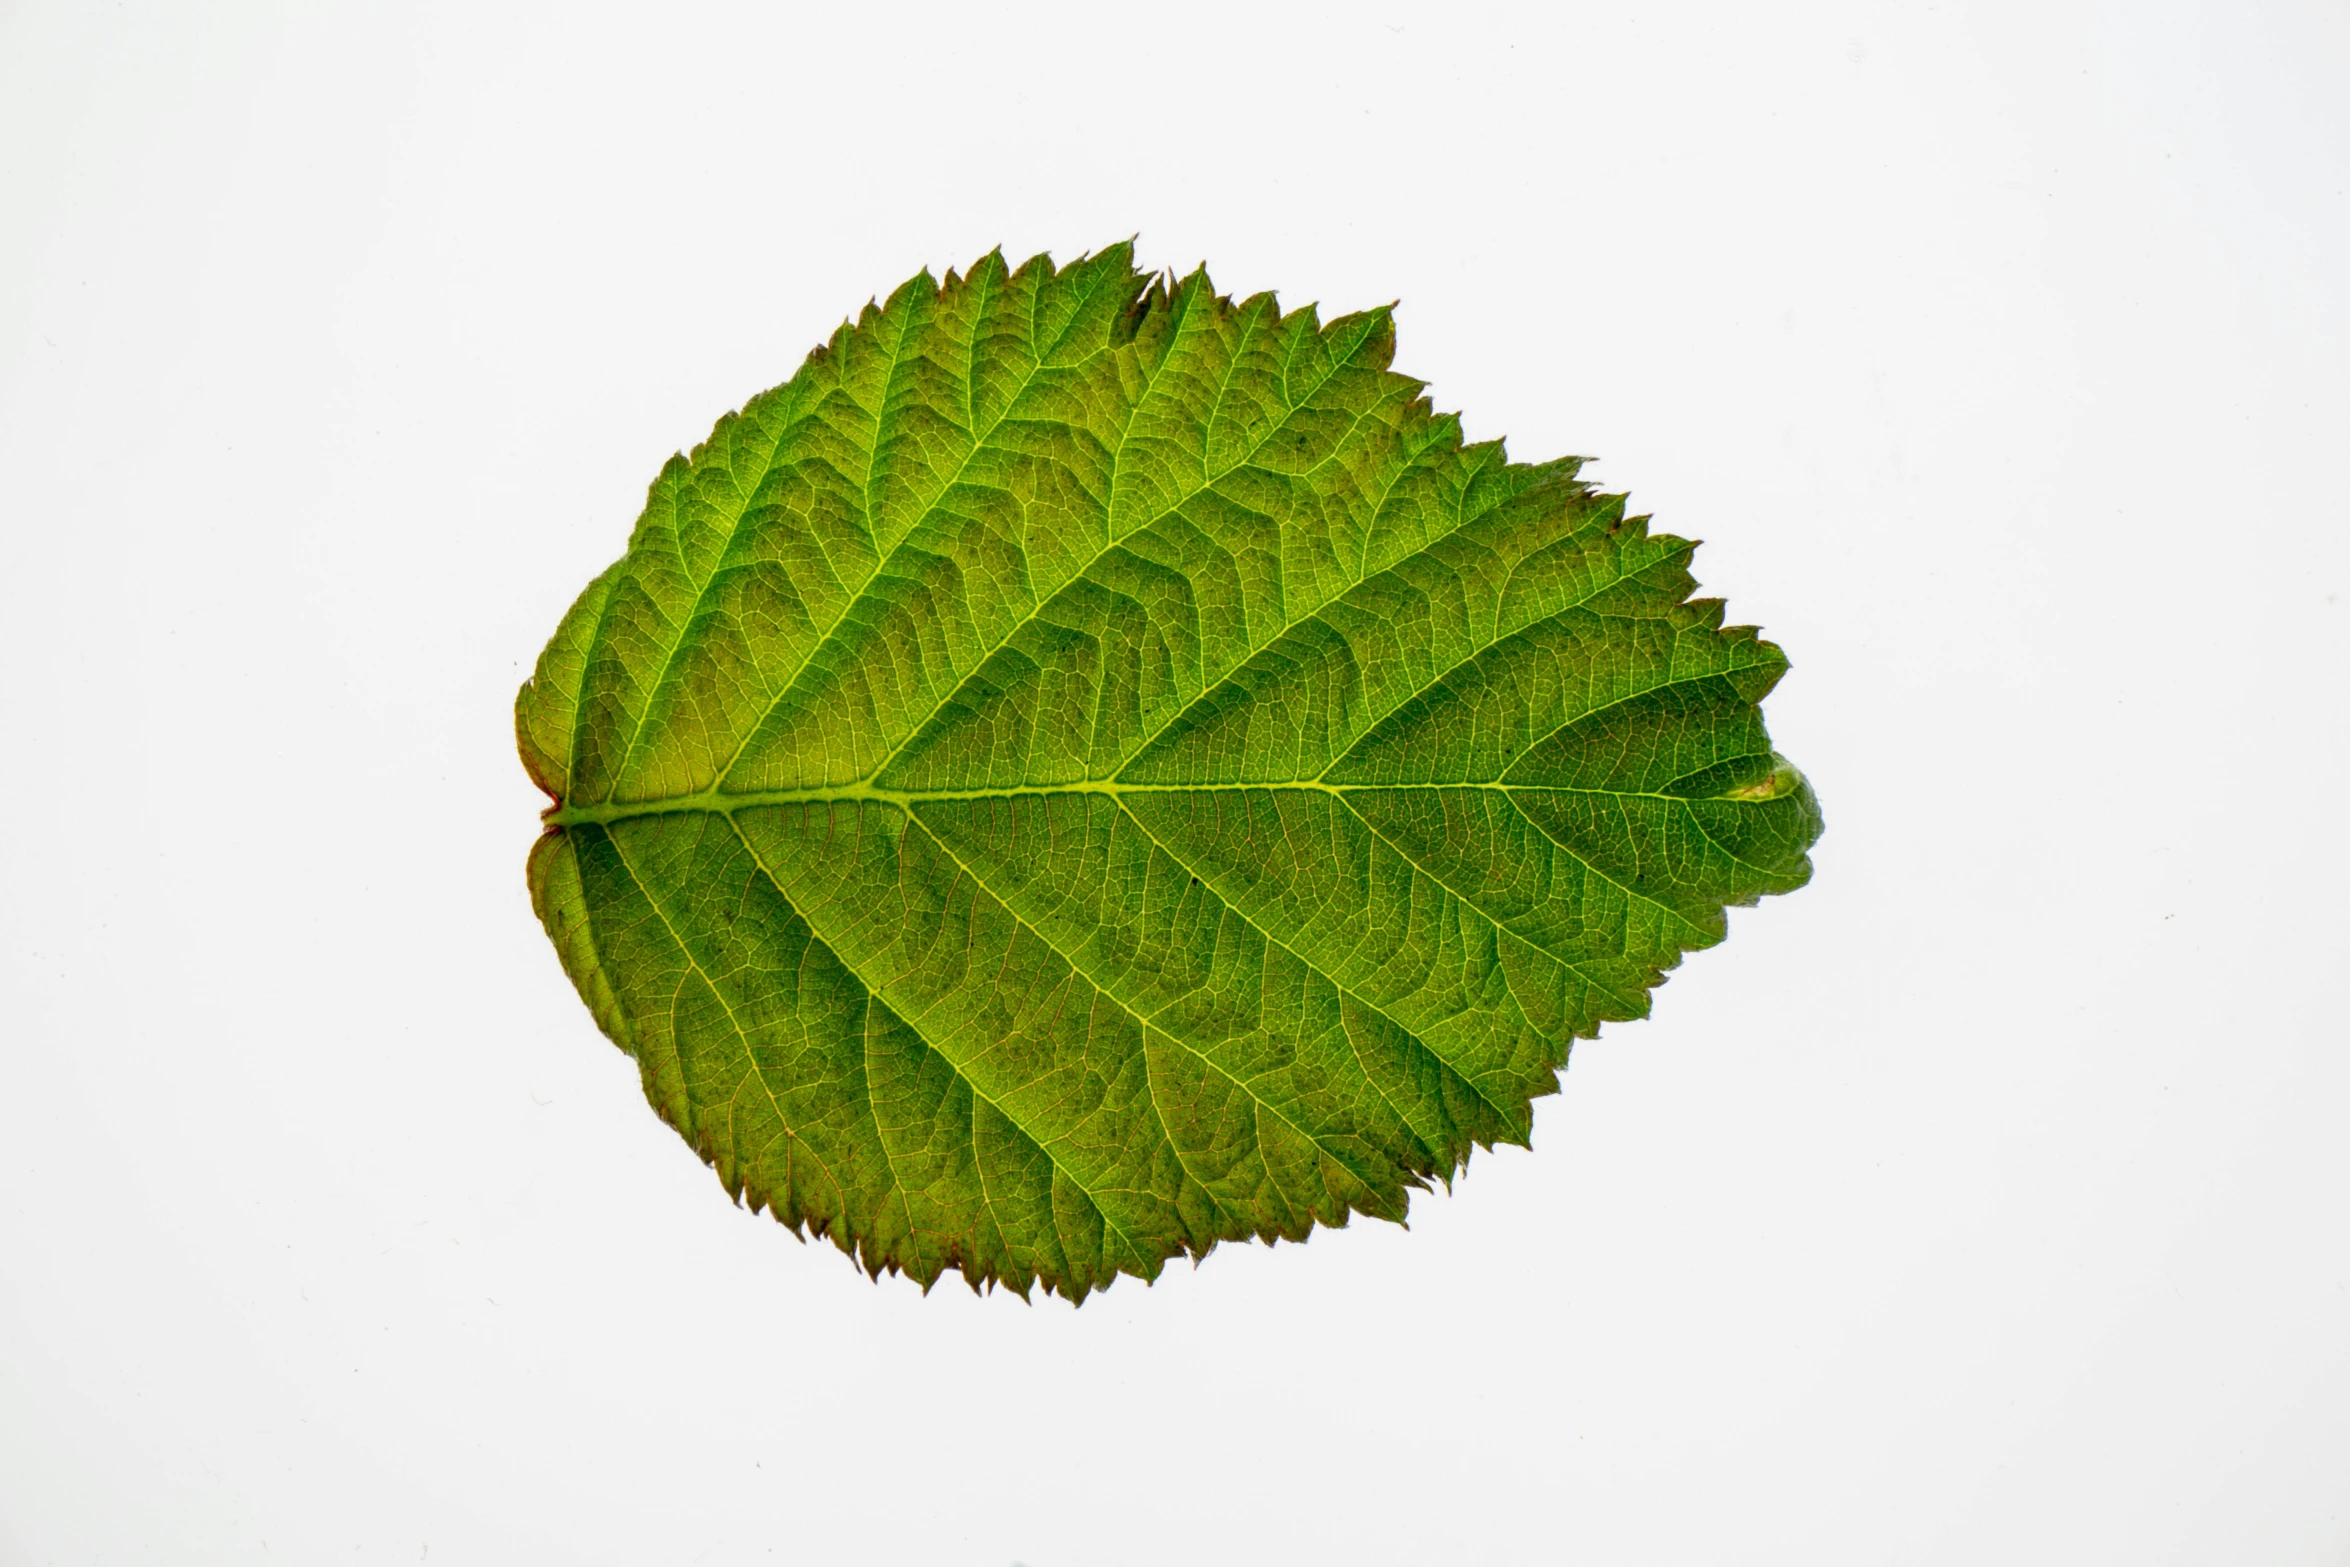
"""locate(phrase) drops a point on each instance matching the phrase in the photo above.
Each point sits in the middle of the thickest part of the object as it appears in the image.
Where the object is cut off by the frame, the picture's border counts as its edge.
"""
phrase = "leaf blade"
(1088, 770)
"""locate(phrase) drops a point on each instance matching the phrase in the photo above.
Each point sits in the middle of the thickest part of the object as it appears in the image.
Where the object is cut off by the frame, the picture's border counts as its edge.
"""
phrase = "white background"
(1984, 1201)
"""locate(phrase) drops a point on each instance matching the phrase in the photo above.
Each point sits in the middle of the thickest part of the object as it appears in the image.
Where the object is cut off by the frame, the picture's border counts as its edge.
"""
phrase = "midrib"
(726, 802)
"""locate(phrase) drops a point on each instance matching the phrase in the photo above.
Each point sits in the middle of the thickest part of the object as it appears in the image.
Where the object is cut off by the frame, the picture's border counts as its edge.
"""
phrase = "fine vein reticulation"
(1088, 769)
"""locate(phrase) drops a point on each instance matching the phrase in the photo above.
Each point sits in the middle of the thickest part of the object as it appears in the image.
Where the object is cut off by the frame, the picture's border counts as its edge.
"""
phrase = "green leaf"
(1088, 769)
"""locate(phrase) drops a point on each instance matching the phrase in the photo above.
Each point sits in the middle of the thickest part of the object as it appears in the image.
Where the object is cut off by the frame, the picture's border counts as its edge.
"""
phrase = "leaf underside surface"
(1088, 769)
